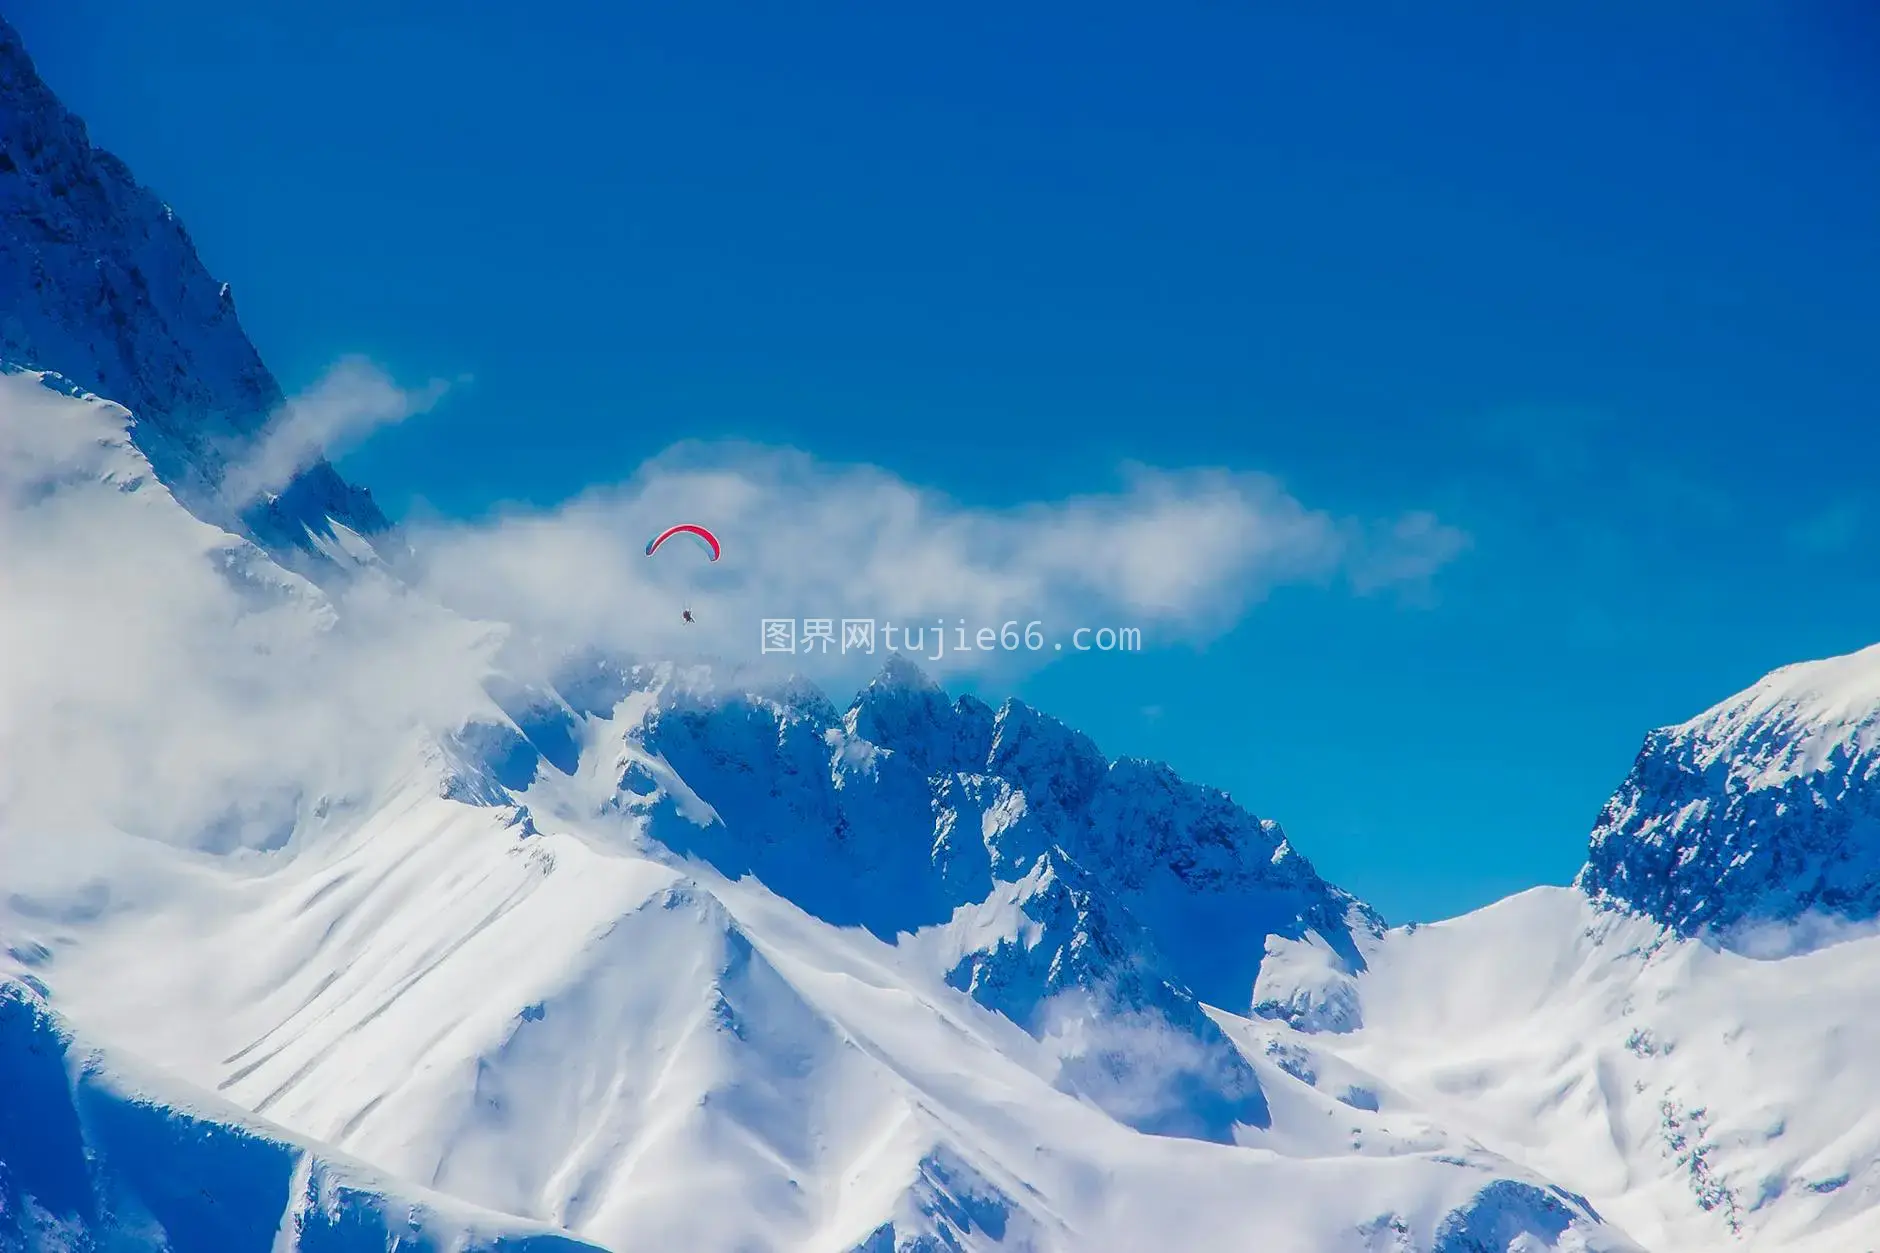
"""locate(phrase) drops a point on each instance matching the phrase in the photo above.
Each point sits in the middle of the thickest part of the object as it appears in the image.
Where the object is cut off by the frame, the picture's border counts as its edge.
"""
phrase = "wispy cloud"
(1144, 1070)
(1404, 553)
(1808, 932)
(1829, 530)
(349, 402)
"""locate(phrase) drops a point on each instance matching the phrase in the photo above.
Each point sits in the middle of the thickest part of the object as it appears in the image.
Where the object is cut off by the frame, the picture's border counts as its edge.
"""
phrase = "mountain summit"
(1764, 808)
(100, 283)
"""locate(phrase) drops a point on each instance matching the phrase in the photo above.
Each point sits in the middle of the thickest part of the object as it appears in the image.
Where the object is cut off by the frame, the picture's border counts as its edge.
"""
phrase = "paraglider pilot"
(684, 528)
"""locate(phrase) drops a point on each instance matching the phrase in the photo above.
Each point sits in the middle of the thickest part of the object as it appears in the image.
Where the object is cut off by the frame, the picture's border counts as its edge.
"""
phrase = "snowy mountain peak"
(906, 712)
(1815, 708)
(901, 672)
(1059, 769)
(910, 806)
(102, 284)
(1765, 807)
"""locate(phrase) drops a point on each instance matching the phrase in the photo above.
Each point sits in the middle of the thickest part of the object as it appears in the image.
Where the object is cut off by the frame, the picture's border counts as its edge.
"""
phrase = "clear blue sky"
(1603, 289)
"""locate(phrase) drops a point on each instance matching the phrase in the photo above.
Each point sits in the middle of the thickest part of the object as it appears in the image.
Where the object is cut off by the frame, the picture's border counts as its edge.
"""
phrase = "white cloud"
(349, 401)
(1404, 553)
(1181, 554)
(143, 688)
(1808, 932)
(1147, 1072)
(157, 675)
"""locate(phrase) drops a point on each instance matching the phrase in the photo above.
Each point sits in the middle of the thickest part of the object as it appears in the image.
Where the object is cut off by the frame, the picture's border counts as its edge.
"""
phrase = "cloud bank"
(1180, 554)
(161, 677)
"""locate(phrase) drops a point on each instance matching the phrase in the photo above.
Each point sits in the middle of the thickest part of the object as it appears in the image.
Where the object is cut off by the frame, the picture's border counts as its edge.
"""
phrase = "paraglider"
(685, 528)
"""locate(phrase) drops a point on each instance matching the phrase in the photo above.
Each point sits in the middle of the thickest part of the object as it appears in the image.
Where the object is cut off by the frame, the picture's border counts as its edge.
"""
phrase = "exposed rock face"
(99, 282)
(1765, 808)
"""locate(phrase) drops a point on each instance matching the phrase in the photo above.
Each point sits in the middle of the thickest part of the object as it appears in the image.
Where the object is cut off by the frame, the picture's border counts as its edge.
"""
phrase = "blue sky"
(1603, 290)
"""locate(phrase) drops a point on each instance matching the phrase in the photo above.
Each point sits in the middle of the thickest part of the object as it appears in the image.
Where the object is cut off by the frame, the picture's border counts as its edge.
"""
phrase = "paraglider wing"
(711, 541)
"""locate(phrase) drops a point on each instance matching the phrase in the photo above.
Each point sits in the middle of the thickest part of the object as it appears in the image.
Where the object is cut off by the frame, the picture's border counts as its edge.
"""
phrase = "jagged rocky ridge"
(99, 282)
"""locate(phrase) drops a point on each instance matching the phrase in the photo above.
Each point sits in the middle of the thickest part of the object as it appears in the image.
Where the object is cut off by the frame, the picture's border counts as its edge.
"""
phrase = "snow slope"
(95, 1155)
(1690, 1039)
(684, 1062)
(1703, 1099)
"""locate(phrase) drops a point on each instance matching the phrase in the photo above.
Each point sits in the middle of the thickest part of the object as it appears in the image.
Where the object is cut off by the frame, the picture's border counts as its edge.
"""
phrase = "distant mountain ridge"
(100, 283)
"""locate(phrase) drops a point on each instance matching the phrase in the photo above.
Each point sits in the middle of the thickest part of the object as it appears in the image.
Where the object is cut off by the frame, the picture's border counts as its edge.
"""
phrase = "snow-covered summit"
(1765, 807)
(99, 282)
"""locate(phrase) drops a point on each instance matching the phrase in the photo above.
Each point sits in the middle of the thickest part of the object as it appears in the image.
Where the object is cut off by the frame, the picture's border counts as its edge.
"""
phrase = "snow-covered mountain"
(564, 1020)
(1691, 1038)
(1765, 808)
(1701, 1099)
(538, 962)
(103, 286)
(93, 1155)
(332, 920)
